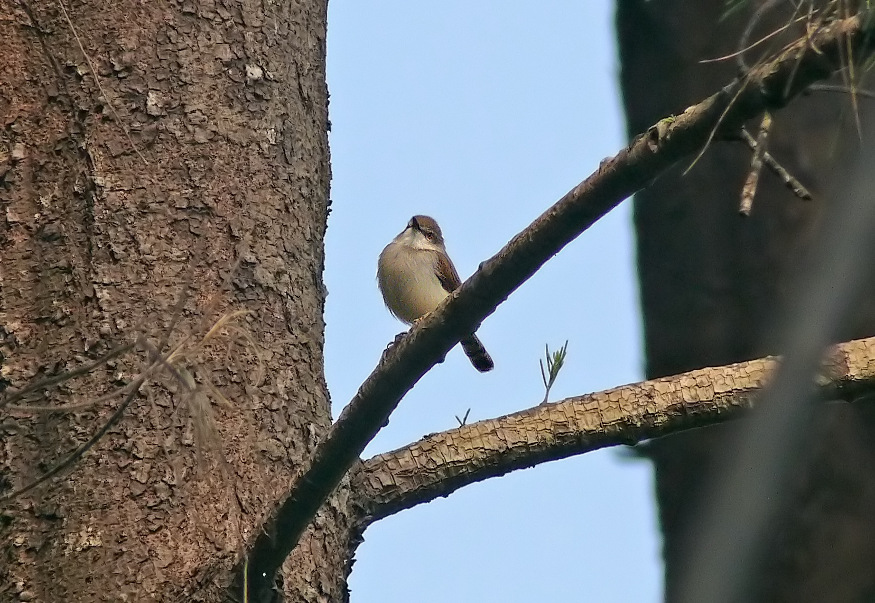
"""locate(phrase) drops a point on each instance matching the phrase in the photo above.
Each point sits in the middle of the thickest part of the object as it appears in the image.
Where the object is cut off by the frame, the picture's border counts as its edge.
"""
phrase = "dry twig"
(792, 183)
(756, 165)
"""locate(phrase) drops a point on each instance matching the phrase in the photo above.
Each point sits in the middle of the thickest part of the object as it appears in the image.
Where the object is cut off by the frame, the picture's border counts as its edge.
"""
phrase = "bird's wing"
(446, 273)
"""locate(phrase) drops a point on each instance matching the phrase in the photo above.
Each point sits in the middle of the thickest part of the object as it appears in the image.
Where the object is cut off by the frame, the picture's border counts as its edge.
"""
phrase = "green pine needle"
(555, 362)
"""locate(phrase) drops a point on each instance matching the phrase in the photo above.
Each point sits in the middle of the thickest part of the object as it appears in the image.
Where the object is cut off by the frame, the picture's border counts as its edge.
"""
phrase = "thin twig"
(65, 407)
(748, 30)
(809, 36)
(851, 74)
(99, 86)
(749, 190)
(792, 183)
(741, 89)
(66, 376)
(753, 45)
(155, 361)
(843, 89)
(79, 452)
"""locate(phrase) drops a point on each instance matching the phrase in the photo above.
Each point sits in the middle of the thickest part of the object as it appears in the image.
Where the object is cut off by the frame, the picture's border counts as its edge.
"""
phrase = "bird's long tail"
(477, 354)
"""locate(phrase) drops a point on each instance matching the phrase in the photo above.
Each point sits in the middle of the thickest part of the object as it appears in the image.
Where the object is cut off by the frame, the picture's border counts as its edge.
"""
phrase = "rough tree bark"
(714, 286)
(227, 103)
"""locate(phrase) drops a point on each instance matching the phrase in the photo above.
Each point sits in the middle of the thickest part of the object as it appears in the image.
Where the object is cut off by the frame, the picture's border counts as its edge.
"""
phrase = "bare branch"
(868, 94)
(749, 190)
(748, 30)
(765, 87)
(81, 450)
(789, 181)
(48, 382)
(63, 408)
(155, 361)
(443, 462)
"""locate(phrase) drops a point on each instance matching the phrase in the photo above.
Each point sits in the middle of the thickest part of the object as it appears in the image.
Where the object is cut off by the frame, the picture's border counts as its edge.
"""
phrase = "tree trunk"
(714, 287)
(154, 153)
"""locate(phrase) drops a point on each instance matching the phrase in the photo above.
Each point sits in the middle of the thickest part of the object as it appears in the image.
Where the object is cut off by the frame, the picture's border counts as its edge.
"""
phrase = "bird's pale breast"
(407, 280)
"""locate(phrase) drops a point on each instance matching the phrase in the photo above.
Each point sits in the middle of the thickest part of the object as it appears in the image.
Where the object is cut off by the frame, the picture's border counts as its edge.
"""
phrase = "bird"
(415, 274)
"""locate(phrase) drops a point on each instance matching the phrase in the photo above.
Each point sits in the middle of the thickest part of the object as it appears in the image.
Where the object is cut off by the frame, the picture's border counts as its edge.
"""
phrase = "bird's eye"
(430, 235)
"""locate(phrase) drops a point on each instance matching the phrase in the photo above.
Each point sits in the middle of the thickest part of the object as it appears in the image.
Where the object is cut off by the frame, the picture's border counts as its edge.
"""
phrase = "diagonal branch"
(767, 87)
(441, 463)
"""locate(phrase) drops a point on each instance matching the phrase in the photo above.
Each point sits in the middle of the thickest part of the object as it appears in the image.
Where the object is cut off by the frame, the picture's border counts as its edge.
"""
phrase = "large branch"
(443, 462)
(767, 87)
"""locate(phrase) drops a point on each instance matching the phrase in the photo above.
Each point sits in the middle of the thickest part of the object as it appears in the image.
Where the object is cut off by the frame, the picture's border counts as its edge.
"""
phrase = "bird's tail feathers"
(477, 354)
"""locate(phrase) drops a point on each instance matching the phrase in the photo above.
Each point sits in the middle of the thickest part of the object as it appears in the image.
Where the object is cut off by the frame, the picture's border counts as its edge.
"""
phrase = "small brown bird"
(415, 274)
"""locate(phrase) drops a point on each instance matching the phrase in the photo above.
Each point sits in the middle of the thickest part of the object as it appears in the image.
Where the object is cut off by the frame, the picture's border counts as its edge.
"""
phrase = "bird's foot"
(420, 319)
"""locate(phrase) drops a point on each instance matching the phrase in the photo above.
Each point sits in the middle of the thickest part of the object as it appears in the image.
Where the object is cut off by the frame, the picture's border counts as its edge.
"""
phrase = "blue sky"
(482, 115)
